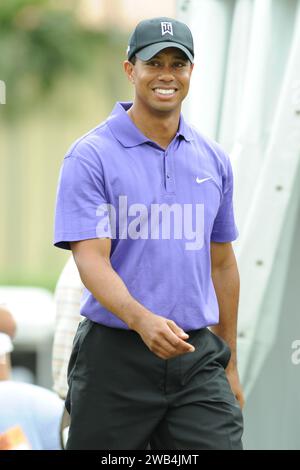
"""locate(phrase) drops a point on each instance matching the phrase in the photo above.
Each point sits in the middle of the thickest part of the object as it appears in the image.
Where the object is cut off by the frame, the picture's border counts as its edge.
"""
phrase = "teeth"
(165, 92)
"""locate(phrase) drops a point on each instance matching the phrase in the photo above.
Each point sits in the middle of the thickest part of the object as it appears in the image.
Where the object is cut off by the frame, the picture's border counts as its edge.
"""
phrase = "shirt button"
(168, 176)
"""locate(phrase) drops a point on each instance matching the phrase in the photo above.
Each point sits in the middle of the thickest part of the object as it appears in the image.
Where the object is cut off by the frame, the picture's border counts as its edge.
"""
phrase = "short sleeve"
(80, 200)
(224, 228)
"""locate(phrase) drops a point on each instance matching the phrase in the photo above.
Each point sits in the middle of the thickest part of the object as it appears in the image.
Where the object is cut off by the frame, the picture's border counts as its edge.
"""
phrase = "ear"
(129, 70)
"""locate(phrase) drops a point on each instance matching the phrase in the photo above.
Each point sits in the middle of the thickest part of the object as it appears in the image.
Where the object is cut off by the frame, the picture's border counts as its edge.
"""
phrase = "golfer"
(145, 204)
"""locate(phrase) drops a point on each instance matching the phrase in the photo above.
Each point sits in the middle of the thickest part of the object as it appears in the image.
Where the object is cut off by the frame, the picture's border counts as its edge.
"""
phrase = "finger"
(162, 352)
(177, 330)
(241, 400)
(178, 344)
(176, 341)
(239, 397)
(166, 353)
(162, 343)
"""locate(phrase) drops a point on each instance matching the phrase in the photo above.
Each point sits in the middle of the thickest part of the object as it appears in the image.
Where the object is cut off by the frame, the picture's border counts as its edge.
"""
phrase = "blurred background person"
(35, 410)
(7, 332)
(67, 296)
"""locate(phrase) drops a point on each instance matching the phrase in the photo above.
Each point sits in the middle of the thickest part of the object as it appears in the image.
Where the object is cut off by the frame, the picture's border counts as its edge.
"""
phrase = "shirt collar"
(126, 132)
(184, 129)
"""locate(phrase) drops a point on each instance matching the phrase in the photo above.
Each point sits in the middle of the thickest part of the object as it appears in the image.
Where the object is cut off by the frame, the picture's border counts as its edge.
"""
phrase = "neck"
(161, 127)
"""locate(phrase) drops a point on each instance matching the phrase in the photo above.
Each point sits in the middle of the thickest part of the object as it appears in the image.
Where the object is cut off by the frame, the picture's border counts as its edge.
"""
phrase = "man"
(145, 203)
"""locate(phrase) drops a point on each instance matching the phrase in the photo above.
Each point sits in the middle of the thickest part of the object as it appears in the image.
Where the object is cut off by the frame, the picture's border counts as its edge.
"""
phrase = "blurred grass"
(39, 280)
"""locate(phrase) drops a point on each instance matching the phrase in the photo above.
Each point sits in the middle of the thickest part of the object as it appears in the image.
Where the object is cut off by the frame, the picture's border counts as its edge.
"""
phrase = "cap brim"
(150, 51)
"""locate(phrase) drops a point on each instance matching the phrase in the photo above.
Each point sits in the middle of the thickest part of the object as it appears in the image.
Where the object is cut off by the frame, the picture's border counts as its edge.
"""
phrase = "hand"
(234, 381)
(163, 337)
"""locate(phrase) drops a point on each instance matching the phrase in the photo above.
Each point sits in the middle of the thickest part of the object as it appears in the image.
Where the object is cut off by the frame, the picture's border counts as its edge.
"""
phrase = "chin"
(164, 107)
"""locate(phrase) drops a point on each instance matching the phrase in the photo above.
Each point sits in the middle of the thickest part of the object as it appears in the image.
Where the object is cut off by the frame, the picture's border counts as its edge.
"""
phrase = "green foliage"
(38, 44)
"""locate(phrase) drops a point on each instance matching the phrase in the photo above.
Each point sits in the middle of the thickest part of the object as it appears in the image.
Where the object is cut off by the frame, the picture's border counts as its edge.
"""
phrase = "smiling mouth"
(165, 92)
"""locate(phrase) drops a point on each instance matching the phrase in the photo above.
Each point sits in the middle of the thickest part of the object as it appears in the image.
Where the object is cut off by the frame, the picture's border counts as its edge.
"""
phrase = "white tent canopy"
(245, 94)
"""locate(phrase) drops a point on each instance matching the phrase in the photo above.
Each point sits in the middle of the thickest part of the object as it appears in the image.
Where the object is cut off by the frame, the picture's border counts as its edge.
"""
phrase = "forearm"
(227, 285)
(109, 290)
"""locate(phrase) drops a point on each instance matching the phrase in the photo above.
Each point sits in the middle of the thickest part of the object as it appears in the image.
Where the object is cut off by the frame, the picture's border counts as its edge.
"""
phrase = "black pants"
(122, 396)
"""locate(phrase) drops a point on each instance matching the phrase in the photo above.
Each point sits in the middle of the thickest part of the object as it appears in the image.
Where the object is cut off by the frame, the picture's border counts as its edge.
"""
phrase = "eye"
(153, 63)
(179, 65)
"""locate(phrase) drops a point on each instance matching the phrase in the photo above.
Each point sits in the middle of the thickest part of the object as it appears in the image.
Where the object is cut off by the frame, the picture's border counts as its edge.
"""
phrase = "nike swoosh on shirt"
(199, 181)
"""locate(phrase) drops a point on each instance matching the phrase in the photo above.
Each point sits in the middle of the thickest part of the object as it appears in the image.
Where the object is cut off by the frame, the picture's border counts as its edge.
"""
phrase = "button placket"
(169, 174)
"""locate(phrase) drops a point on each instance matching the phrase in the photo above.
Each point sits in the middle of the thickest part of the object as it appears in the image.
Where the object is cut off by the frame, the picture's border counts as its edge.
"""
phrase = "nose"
(166, 74)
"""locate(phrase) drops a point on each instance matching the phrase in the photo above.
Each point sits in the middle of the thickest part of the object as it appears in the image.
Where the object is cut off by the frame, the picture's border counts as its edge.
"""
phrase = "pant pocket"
(223, 355)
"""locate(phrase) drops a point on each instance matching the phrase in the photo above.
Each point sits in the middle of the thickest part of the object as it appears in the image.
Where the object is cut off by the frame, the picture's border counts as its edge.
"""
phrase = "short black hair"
(133, 60)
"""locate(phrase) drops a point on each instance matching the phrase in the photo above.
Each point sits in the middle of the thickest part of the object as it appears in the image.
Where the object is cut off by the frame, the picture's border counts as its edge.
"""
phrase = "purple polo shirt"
(161, 208)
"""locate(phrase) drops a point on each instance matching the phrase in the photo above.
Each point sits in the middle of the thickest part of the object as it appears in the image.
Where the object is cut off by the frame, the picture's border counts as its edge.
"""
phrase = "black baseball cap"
(153, 35)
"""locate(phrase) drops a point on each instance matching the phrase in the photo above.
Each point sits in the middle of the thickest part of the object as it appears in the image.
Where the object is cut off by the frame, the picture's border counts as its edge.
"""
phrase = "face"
(161, 83)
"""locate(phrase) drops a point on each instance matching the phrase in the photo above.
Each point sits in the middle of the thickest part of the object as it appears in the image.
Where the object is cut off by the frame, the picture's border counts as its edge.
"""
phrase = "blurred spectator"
(7, 332)
(68, 294)
(28, 412)
(34, 410)
(7, 322)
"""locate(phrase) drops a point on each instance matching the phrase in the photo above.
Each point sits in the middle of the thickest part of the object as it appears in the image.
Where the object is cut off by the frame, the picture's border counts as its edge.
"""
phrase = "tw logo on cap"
(166, 27)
